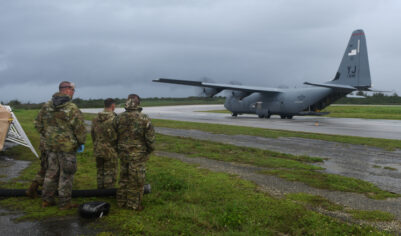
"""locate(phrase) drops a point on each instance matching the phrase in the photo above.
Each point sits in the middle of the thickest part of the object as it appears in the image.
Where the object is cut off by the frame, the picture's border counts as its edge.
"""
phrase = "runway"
(388, 129)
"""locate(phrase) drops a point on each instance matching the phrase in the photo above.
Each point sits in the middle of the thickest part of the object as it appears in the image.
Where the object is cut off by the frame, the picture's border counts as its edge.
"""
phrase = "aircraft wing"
(334, 86)
(248, 89)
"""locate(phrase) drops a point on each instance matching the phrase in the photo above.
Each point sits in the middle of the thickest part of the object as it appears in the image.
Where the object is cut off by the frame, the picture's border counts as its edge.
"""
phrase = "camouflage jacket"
(104, 136)
(61, 124)
(135, 132)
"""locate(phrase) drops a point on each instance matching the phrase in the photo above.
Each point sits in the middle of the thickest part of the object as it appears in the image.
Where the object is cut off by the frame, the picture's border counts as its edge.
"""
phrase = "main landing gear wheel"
(286, 116)
(267, 116)
(234, 114)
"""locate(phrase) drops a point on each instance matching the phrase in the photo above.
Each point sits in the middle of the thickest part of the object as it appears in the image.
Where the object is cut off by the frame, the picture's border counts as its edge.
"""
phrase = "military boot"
(33, 190)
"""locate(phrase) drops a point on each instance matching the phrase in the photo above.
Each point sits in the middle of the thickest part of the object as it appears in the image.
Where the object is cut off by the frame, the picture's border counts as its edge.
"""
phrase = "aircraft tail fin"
(354, 68)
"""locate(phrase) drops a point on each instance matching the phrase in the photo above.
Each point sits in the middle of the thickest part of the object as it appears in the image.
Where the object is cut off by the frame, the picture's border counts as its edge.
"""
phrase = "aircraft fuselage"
(297, 101)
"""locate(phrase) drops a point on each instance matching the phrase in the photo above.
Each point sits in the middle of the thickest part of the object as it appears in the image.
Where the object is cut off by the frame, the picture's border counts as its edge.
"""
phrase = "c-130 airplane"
(353, 74)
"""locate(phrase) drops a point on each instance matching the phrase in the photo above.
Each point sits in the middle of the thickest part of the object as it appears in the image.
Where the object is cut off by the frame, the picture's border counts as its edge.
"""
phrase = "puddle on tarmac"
(368, 170)
(10, 168)
(73, 225)
(59, 226)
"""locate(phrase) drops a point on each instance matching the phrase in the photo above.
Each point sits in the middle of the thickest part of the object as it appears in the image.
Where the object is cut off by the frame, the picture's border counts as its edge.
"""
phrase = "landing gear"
(261, 116)
(286, 116)
(234, 114)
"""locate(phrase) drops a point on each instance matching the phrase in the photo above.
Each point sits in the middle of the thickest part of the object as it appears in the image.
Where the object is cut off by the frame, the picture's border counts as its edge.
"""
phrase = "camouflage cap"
(131, 103)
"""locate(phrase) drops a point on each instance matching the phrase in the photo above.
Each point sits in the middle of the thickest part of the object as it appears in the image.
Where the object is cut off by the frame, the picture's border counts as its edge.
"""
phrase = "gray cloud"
(110, 48)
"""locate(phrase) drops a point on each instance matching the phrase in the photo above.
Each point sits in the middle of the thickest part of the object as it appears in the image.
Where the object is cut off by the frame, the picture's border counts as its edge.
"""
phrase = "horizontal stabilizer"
(377, 91)
(248, 89)
(334, 86)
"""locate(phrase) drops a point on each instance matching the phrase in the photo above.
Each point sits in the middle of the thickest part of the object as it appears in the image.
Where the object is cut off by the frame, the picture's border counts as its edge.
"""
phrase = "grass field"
(188, 200)
(366, 112)
(389, 112)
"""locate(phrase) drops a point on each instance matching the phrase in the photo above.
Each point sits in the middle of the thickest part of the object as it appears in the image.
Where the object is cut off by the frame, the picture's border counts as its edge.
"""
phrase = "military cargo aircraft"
(11, 130)
(353, 74)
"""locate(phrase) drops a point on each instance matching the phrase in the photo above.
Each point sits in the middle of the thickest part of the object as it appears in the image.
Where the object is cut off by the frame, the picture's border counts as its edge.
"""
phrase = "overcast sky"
(115, 47)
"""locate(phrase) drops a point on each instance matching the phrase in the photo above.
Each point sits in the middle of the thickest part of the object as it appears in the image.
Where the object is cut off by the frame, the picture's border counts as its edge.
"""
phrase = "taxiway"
(388, 129)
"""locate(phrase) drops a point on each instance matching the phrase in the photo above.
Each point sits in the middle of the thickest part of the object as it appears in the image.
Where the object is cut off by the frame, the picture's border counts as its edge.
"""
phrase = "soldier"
(135, 143)
(104, 138)
(61, 124)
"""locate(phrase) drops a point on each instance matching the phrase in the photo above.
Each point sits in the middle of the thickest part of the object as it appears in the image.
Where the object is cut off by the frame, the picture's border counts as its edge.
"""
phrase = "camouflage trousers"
(132, 181)
(106, 172)
(40, 176)
(59, 177)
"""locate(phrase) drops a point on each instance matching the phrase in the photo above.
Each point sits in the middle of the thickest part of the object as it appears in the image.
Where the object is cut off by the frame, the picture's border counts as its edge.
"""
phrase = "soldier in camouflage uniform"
(61, 124)
(104, 138)
(135, 143)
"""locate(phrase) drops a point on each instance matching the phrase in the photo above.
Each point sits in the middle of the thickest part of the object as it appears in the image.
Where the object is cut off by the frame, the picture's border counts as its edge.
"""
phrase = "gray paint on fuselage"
(292, 101)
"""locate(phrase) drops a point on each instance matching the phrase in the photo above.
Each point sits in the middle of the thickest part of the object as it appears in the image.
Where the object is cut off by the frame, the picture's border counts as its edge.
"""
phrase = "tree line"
(98, 103)
(374, 99)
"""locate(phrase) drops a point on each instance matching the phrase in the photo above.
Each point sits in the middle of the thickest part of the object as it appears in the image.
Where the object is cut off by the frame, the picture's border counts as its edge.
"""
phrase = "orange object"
(5, 120)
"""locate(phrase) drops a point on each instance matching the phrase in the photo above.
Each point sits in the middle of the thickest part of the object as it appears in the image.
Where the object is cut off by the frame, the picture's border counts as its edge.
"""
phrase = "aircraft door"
(261, 109)
(282, 105)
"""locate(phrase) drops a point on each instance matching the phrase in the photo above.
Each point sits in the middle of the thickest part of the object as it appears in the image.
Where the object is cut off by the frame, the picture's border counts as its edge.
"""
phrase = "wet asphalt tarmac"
(10, 168)
(389, 129)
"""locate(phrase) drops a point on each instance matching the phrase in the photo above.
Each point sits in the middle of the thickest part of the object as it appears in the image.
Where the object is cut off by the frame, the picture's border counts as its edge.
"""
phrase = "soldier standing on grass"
(104, 138)
(61, 124)
(135, 142)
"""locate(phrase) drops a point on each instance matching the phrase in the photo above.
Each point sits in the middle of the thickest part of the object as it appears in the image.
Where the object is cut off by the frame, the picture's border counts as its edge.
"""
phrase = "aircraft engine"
(210, 92)
(240, 94)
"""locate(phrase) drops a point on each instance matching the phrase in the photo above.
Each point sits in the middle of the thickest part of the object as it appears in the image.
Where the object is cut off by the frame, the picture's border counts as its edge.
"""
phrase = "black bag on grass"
(94, 209)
